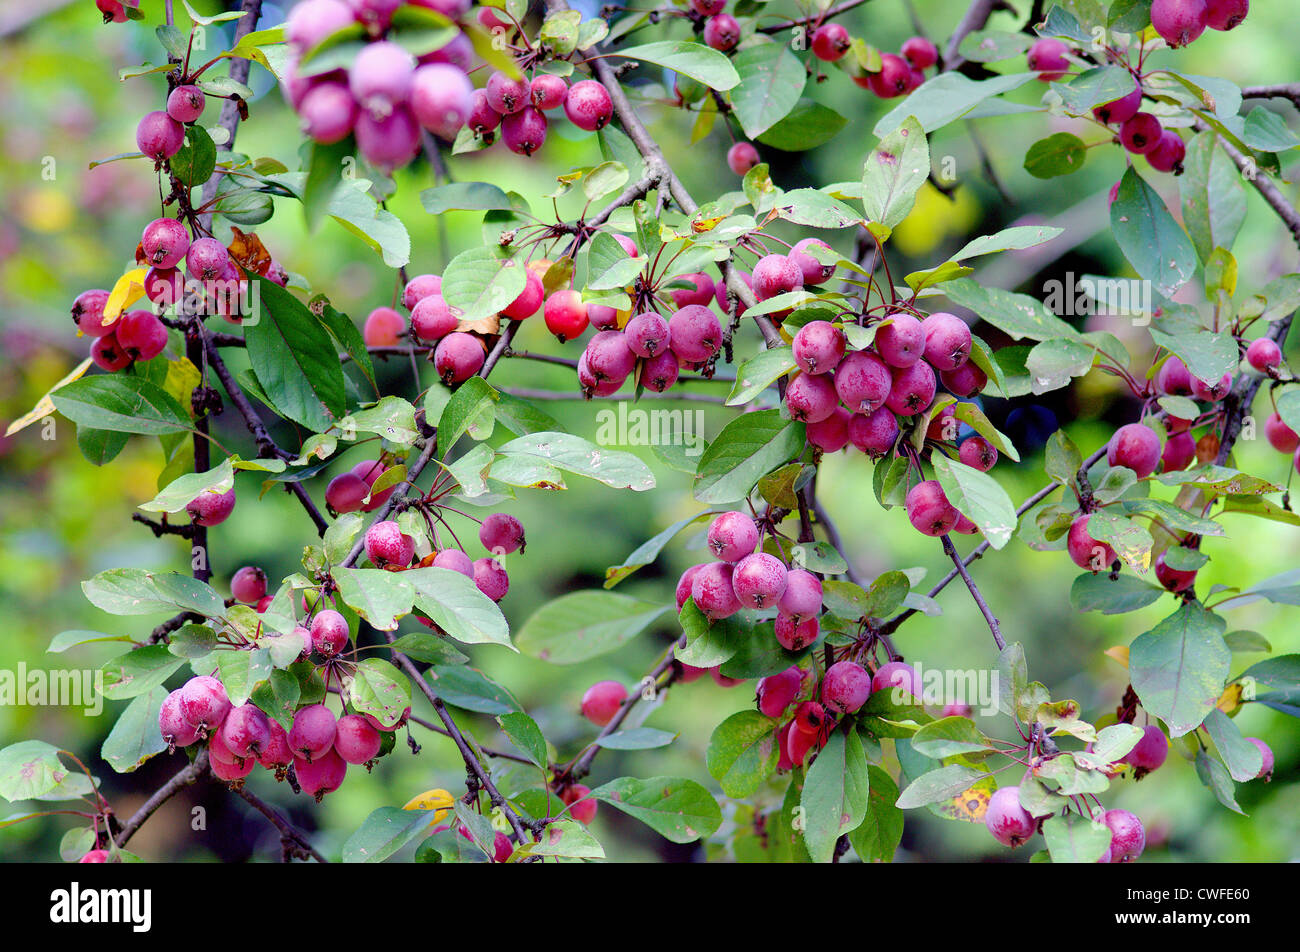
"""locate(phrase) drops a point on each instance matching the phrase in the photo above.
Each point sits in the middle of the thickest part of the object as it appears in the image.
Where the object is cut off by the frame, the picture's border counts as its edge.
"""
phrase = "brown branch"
(293, 841)
(975, 592)
(1289, 91)
(183, 778)
(491, 752)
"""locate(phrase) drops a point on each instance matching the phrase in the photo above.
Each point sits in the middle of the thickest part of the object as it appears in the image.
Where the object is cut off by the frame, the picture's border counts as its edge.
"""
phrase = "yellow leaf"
(435, 799)
(1231, 698)
(45, 406)
(128, 290)
(1118, 653)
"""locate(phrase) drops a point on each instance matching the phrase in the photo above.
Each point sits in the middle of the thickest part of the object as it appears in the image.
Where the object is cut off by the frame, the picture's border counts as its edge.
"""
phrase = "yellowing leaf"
(128, 290)
(1118, 653)
(435, 799)
(1230, 700)
(45, 406)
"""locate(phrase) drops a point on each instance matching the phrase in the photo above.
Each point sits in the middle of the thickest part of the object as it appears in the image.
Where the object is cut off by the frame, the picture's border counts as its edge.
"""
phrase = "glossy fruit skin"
(901, 340)
(345, 493)
(818, 347)
(211, 509)
(732, 536)
(814, 272)
(1135, 446)
(897, 674)
(794, 635)
(811, 398)
(321, 775)
(845, 687)
(775, 274)
(912, 389)
(1266, 765)
(947, 341)
(602, 701)
(388, 142)
(165, 242)
(920, 52)
(529, 301)
(312, 21)
(659, 372)
(456, 561)
(582, 806)
(701, 294)
(967, 380)
(1179, 452)
(159, 136)
(1006, 819)
(245, 731)
(1169, 152)
(1176, 580)
(646, 334)
(95, 856)
(1127, 837)
(979, 453)
(565, 314)
(276, 753)
(381, 77)
(759, 580)
(798, 744)
(742, 157)
(830, 42)
(1141, 133)
(420, 287)
(863, 381)
(442, 98)
(722, 32)
(1264, 355)
(683, 590)
(831, 434)
(458, 357)
(1085, 551)
(355, 740)
(928, 509)
(1150, 752)
(231, 773)
(1174, 379)
(501, 532)
(141, 335)
(803, 595)
(1280, 436)
(312, 734)
(204, 702)
(1121, 110)
(482, 117)
(506, 95)
(329, 632)
(383, 328)
(248, 585)
(1179, 22)
(491, 578)
(206, 259)
(1212, 392)
(88, 313)
(696, 333)
(712, 592)
(708, 8)
(588, 105)
(894, 78)
(524, 132)
(172, 723)
(108, 354)
(1047, 58)
(547, 91)
(432, 318)
(777, 691)
(873, 433)
(1225, 14)
(386, 544)
(608, 356)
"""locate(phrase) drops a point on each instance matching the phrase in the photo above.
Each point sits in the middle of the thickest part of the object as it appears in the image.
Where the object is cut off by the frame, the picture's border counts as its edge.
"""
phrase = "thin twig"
(183, 778)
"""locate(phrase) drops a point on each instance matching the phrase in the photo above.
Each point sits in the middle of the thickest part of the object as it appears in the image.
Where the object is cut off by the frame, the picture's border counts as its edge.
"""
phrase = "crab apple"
(794, 635)
(845, 687)
(811, 398)
(114, 12)
(96, 856)
(602, 317)
(912, 389)
(830, 42)
(1121, 110)
(313, 732)
(1127, 837)
(708, 8)
(491, 578)
(565, 314)
(501, 532)
(328, 113)
(1225, 14)
(432, 318)
(759, 580)
(456, 561)
(231, 773)
(967, 380)
(964, 526)
(732, 536)
(814, 272)
(1150, 751)
(803, 595)
(1047, 58)
(863, 381)
(458, 357)
(313, 20)
(684, 583)
(928, 509)
(388, 142)
(608, 356)
(165, 286)
(810, 717)
(602, 700)
(383, 327)
(894, 79)
(1085, 551)
(547, 91)
(777, 691)
(712, 592)
(245, 731)
(1141, 133)
(1006, 819)
(1280, 436)
(108, 354)
(1169, 152)
(1179, 451)
(524, 132)
(380, 726)
(248, 585)
(206, 259)
(659, 372)
(506, 95)
(218, 752)
(329, 632)
(355, 740)
(1264, 355)
(1266, 752)
(211, 508)
(419, 288)
(978, 453)
(595, 386)
(1179, 22)
(165, 242)
(1174, 379)
(482, 117)
(175, 728)
(798, 743)
(831, 434)
(775, 274)
(645, 335)
(873, 433)
(722, 680)
(947, 341)
(582, 806)
(387, 544)
(204, 702)
(920, 52)
(275, 753)
(627, 244)
(818, 347)
(1210, 392)
(88, 313)
(701, 293)
(1136, 446)
(320, 775)
(346, 493)
(695, 332)
(900, 341)
(742, 157)
(722, 32)
(529, 301)
(159, 136)
(1176, 580)
(442, 98)
(897, 674)
(141, 335)
(588, 105)
(263, 604)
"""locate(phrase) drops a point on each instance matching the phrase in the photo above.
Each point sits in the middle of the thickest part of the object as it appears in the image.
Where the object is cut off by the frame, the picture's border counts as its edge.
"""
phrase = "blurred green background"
(64, 228)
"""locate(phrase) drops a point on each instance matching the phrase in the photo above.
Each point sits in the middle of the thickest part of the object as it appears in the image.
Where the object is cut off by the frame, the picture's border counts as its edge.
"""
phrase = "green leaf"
(138, 671)
(135, 737)
(464, 196)
(678, 809)
(347, 336)
(472, 402)
(835, 794)
(743, 753)
(748, 447)
(278, 697)
(565, 838)
(1016, 238)
(1059, 154)
(137, 592)
(32, 770)
(1075, 839)
(1154, 244)
(454, 603)
(1215, 776)
(379, 597)
(470, 689)
(71, 639)
(1213, 196)
(1094, 87)
(948, 737)
(808, 125)
(936, 785)
(379, 689)
(1018, 315)
(194, 163)
(648, 551)
(429, 648)
(183, 490)
(894, 172)
(1178, 668)
(525, 735)
(121, 403)
(1266, 131)
(480, 282)
(881, 830)
(583, 625)
(979, 497)
(384, 832)
(760, 372)
(636, 738)
(615, 468)
(947, 97)
(695, 60)
(1097, 592)
(771, 81)
(1242, 758)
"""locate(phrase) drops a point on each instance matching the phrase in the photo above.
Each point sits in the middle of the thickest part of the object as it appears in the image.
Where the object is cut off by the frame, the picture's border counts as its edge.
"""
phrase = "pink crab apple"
(776, 692)
(114, 12)
(845, 687)
(174, 726)
(1174, 379)
(695, 333)
(811, 718)
(897, 674)
(609, 357)
(432, 318)
(1121, 110)
(646, 334)
(775, 274)
(141, 335)
(108, 354)
(165, 242)
(712, 591)
(818, 347)
(798, 744)
(759, 580)
(900, 341)
(96, 856)
(1280, 436)
(1179, 452)
(873, 433)
(204, 703)
(1264, 355)
(88, 313)
(211, 508)
(659, 372)
(159, 136)
(863, 381)
(966, 381)
(501, 532)
(1007, 820)
(684, 583)
(1127, 837)
(529, 301)
(1135, 446)
(1266, 764)
(482, 117)
(602, 701)
(701, 293)
(524, 132)
(928, 509)
(947, 341)
(588, 105)
(1150, 751)
(582, 806)
(1225, 14)
(732, 536)
(893, 79)
(547, 91)
(355, 740)
(1176, 580)
(814, 272)
(722, 32)
(506, 94)
(912, 389)
(206, 259)
(231, 773)
(795, 635)
(1141, 133)
(1179, 22)
(811, 398)
(245, 731)
(742, 157)
(708, 8)
(419, 288)
(456, 561)
(329, 632)
(386, 545)
(830, 42)
(1047, 58)
(1085, 551)
(1169, 152)
(381, 77)
(458, 357)
(1201, 390)
(565, 314)
(920, 52)
(313, 20)
(312, 734)
(383, 328)
(491, 579)
(831, 434)
(442, 98)
(803, 595)
(321, 775)
(276, 755)
(978, 453)
(248, 585)
(388, 142)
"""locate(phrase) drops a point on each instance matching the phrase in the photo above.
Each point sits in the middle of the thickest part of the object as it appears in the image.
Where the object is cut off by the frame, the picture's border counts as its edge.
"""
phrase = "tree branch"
(183, 778)
(294, 842)
(975, 592)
